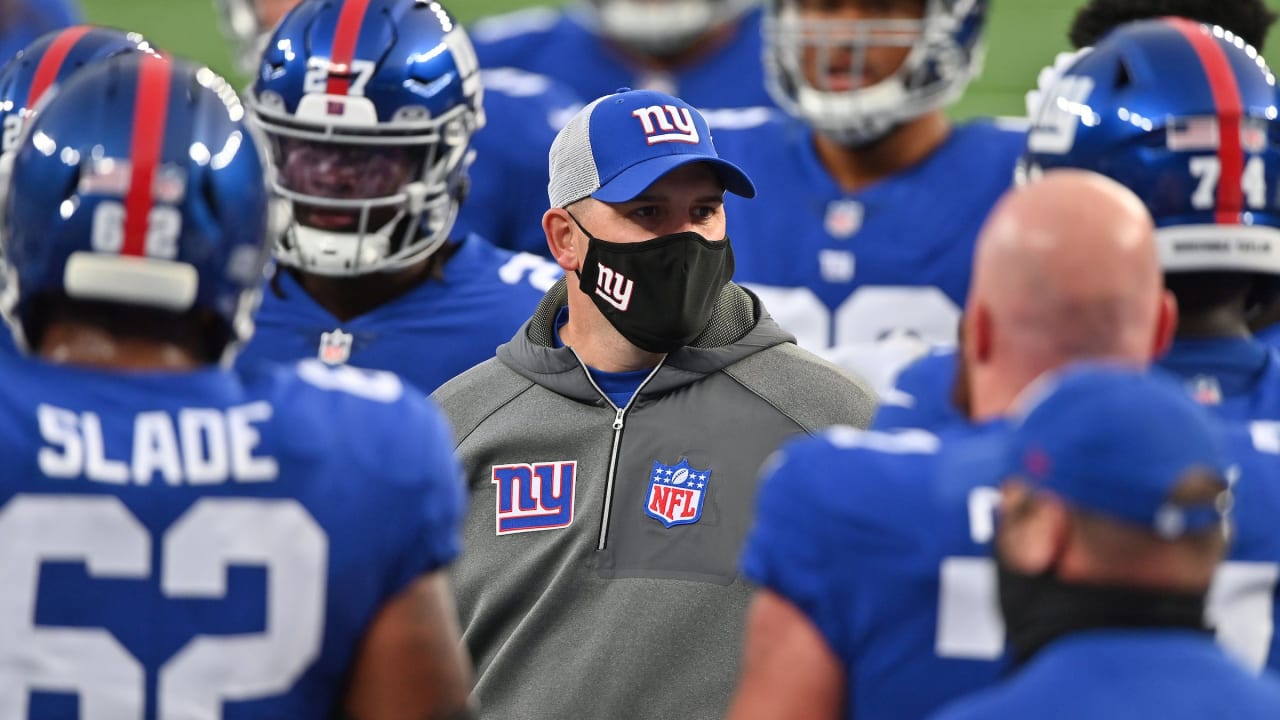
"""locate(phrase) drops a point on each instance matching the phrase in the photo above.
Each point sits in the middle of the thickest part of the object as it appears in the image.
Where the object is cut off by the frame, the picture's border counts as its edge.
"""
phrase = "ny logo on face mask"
(675, 123)
(614, 288)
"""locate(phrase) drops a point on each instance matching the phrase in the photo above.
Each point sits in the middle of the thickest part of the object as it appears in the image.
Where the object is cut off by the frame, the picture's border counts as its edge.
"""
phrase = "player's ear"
(1166, 324)
(978, 334)
(559, 229)
(1033, 528)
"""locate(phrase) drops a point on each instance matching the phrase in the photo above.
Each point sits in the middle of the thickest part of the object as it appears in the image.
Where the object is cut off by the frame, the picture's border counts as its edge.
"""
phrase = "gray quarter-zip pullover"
(599, 574)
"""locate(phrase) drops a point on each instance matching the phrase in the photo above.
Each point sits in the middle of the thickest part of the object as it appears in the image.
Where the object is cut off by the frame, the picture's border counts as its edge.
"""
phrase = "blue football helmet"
(815, 64)
(138, 183)
(369, 106)
(662, 27)
(47, 62)
(1185, 115)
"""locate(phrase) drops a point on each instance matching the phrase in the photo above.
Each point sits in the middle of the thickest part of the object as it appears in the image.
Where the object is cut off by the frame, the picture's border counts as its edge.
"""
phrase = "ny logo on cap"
(675, 123)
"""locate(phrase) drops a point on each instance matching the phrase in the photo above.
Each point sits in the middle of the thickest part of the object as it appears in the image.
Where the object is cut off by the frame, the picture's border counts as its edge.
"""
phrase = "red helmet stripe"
(51, 63)
(150, 113)
(350, 21)
(1229, 107)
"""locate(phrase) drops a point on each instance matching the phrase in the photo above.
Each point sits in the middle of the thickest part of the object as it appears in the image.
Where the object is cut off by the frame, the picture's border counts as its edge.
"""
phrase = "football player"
(370, 106)
(877, 594)
(49, 61)
(870, 197)
(180, 540)
(42, 66)
(523, 112)
(1200, 144)
(1212, 305)
(1199, 141)
(22, 21)
(1114, 516)
(704, 51)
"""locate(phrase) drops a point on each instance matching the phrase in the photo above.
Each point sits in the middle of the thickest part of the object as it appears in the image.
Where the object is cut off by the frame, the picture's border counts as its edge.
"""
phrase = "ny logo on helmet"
(675, 124)
(1055, 130)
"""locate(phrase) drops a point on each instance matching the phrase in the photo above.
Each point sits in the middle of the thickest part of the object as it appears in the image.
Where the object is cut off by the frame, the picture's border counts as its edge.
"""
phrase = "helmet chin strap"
(877, 110)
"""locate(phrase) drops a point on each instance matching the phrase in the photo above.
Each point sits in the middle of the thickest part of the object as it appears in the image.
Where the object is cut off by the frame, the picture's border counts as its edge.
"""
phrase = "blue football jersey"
(208, 544)
(428, 335)
(1127, 674)
(1243, 602)
(509, 177)
(922, 394)
(561, 45)
(29, 19)
(1238, 378)
(867, 279)
(882, 540)
(1269, 335)
(7, 344)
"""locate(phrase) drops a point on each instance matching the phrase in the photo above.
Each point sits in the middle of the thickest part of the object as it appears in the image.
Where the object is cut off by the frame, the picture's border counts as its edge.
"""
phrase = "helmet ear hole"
(1123, 77)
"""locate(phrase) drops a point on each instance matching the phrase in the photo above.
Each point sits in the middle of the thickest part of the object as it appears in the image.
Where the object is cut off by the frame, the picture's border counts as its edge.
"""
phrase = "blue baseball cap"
(622, 143)
(1117, 440)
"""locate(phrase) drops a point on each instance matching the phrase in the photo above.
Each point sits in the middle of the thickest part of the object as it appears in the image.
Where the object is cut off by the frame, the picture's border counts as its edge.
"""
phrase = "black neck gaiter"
(1039, 609)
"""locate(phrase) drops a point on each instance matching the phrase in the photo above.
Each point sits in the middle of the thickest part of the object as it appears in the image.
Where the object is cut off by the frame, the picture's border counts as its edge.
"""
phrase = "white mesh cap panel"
(572, 164)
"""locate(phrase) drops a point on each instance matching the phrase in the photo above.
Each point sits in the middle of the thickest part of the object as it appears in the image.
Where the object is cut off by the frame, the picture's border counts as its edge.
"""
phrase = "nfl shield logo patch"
(676, 493)
(844, 218)
(1205, 390)
(335, 347)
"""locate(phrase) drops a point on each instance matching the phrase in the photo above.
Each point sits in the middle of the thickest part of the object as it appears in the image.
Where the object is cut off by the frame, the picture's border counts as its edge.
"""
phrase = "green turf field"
(1024, 35)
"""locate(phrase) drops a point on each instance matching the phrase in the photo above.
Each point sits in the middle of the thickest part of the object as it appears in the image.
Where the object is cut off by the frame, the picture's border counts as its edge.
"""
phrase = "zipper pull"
(617, 419)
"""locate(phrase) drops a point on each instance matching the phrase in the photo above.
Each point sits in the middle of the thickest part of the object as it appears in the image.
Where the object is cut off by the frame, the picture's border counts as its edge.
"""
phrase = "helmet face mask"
(854, 74)
(353, 202)
(371, 155)
(663, 27)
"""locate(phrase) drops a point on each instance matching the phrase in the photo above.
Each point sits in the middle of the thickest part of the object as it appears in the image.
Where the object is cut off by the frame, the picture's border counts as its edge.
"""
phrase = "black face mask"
(1038, 609)
(658, 294)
